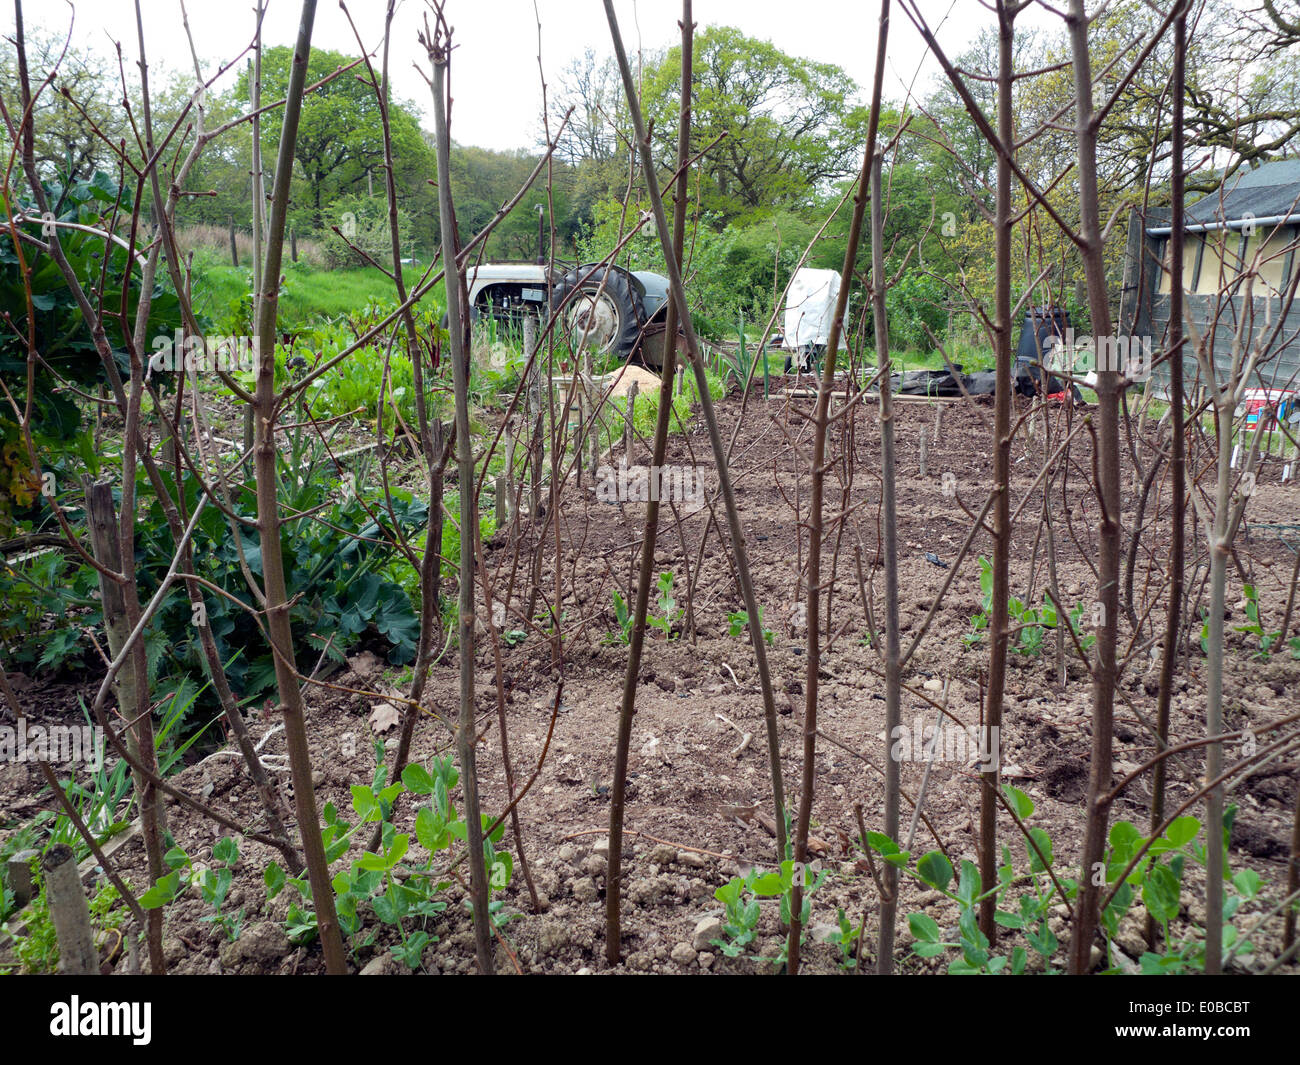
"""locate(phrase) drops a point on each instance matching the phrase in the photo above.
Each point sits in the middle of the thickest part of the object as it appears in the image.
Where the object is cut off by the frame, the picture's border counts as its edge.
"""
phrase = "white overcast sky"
(495, 79)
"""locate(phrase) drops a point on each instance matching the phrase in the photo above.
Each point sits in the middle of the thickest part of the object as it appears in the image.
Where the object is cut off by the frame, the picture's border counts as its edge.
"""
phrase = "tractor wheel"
(597, 309)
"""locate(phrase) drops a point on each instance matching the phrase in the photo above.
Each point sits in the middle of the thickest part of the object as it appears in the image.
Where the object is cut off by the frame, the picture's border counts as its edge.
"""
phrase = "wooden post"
(234, 249)
(536, 446)
(629, 417)
(293, 245)
(500, 489)
(19, 876)
(575, 426)
(69, 912)
(938, 425)
(510, 478)
(925, 449)
(595, 430)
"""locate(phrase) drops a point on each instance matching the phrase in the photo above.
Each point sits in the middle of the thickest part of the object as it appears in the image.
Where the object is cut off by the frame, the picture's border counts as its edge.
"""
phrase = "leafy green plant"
(740, 897)
(213, 881)
(623, 634)
(1028, 623)
(846, 937)
(1030, 915)
(48, 603)
(1086, 639)
(339, 560)
(394, 885)
(645, 413)
(1268, 641)
(737, 620)
(1156, 880)
(738, 365)
(979, 623)
(37, 950)
(669, 612)
(741, 914)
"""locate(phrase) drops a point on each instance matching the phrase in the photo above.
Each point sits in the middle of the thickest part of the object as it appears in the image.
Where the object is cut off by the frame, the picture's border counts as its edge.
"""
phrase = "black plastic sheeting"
(1028, 378)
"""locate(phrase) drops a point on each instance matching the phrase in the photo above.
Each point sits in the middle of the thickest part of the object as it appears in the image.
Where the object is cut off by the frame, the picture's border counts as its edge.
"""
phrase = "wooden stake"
(69, 912)
(19, 877)
(629, 418)
(509, 479)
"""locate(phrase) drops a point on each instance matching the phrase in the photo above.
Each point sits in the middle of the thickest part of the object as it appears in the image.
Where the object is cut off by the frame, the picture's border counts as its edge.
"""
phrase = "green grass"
(309, 293)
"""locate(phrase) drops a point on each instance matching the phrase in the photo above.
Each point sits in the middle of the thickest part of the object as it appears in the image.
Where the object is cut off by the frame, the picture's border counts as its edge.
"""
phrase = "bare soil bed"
(689, 775)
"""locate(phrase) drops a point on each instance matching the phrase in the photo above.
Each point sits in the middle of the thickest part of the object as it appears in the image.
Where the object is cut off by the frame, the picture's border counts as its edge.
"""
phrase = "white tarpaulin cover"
(809, 307)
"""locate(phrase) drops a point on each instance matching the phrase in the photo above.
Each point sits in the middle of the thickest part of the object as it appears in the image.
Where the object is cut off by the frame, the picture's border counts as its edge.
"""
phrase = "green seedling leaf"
(1020, 802)
(935, 869)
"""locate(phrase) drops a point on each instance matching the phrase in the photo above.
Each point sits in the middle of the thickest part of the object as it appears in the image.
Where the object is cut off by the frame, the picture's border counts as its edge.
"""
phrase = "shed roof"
(1268, 191)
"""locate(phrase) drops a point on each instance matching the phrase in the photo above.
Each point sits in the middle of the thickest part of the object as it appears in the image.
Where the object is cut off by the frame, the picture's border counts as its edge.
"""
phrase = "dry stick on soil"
(1107, 465)
(613, 898)
(438, 45)
(265, 403)
(737, 533)
(1178, 460)
(869, 173)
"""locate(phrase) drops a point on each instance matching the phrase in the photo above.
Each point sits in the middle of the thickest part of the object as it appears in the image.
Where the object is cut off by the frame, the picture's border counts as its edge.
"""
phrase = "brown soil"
(687, 773)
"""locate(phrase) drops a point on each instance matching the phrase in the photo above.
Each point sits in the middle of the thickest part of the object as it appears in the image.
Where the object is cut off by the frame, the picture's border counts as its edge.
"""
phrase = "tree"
(791, 125)
(340, 141)
(80, 100)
